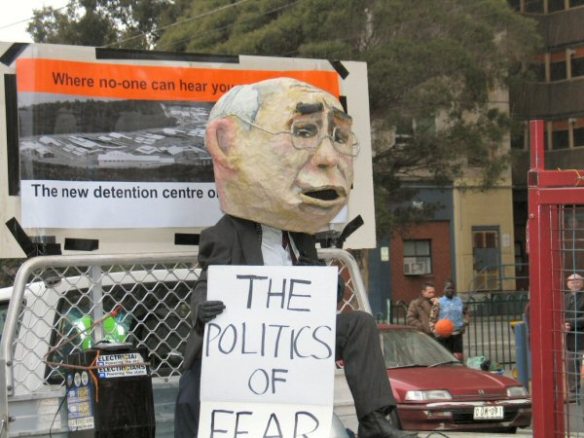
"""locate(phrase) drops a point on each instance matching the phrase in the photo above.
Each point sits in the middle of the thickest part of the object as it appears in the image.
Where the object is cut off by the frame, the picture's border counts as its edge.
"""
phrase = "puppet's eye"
(340, 136)
(304, 130)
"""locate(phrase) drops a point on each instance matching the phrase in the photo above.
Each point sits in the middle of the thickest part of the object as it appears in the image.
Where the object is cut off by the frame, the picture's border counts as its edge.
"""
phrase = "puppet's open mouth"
(323, 195)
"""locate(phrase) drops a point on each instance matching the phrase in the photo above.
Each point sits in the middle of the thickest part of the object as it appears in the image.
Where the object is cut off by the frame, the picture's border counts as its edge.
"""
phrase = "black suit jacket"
(231, 241)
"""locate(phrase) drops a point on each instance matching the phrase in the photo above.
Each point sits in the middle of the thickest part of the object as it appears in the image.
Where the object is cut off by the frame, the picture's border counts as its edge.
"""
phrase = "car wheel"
(394, 418)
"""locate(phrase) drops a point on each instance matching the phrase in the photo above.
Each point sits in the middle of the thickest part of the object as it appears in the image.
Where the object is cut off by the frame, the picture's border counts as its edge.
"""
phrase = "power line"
(468, 9)
(26, 20)
(186, 20)
(191, 37)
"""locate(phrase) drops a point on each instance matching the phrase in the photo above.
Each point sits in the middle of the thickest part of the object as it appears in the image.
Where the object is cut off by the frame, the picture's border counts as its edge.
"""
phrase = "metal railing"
(516, 273)
(490, 332)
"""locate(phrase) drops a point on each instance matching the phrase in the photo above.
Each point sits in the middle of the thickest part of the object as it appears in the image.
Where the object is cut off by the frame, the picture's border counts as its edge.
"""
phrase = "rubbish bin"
(522, 355)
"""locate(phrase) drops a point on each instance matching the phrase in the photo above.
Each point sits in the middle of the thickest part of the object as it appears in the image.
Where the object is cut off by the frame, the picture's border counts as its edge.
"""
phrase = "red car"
(435, 391)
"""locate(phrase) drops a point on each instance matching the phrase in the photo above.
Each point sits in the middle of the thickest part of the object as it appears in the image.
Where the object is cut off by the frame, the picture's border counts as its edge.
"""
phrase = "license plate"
(488, 413)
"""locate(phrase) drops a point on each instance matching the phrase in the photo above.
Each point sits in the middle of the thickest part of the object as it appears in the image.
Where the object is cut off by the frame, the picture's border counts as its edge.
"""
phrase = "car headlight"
(435, 394)
(516, 391)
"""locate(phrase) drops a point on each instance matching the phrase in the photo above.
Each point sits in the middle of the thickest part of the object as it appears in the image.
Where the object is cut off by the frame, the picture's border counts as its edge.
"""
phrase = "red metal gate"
(556, 252)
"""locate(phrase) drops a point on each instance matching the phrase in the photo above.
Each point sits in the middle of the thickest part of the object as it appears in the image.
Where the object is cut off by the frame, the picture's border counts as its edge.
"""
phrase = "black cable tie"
(77, 244)
(12, 53)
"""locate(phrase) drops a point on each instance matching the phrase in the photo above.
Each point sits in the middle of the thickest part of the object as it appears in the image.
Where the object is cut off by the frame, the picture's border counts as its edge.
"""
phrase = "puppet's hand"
(208, 310)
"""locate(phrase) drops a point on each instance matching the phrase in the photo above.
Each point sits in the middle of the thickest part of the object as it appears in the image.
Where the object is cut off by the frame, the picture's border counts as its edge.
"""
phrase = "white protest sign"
(268, 359)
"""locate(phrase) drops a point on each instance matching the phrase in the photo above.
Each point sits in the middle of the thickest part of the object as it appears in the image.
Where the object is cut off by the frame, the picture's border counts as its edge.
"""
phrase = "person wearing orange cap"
(574, 327)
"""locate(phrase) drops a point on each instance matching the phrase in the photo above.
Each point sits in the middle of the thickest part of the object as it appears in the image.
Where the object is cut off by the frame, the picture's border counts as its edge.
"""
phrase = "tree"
(427, 61)
(114, 23)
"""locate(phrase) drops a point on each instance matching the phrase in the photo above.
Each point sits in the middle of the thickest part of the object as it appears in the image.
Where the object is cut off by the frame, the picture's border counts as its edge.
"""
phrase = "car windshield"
(410, 348)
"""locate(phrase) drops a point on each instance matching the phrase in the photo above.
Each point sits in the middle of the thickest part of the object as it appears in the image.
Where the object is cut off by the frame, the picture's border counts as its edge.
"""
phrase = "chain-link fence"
(63, 304)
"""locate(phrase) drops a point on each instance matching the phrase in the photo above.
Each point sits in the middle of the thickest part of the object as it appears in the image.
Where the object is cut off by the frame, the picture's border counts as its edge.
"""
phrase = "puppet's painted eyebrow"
(309, 108)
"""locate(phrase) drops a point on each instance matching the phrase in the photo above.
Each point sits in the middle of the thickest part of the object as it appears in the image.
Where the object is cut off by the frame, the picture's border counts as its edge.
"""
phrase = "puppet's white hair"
(245, 100)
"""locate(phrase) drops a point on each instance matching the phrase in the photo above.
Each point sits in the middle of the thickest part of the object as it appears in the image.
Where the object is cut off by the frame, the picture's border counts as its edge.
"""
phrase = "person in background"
(419, 309)
(574, 327)
(283, 161)
(450, 306)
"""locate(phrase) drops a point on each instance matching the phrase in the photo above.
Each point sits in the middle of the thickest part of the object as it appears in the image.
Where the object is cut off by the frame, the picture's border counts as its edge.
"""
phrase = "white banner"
(129, 120)
(268, 359)
(94, 204)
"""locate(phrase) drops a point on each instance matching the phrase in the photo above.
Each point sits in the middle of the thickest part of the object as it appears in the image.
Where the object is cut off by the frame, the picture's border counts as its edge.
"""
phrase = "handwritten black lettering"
(298, 430)
(231, 424)
(299, 343)
(251, 279)
(329, 352)
(271, 293)
(213, 418)
(276, 423)
(261, 380)
(244, 337)
(238, 431)
(288, 297)
(293, 282)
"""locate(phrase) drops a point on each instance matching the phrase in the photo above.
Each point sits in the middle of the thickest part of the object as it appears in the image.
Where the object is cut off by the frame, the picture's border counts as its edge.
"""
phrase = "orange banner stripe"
(140, 82)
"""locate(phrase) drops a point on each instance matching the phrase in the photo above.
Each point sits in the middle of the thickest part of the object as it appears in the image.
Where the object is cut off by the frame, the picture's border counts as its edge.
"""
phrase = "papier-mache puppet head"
(282, 154)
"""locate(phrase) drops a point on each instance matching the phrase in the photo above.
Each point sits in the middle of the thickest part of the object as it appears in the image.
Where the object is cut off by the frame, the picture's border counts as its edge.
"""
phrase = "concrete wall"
(473, 208)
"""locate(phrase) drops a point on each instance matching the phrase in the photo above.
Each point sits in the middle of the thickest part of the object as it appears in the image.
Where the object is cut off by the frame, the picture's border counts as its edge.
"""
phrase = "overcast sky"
(15, 17)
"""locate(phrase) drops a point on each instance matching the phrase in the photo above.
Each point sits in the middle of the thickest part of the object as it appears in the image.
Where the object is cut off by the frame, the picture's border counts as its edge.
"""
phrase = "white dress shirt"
(272, 251)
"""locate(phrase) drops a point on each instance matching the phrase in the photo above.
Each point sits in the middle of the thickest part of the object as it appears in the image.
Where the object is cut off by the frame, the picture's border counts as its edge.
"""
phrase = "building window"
(574, 3)
(578, 67)
(578, 128)
(486, 258)
(518, 136)
(555, 5)
(417, 257)
(558, 70)
(533, 6)
(560, 135)
(577, 62)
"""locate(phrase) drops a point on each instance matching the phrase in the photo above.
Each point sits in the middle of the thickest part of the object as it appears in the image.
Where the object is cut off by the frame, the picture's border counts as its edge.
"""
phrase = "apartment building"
(555, 94)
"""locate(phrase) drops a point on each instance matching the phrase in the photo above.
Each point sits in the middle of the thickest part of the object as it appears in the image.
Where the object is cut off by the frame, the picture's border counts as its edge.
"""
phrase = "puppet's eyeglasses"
(309, 135)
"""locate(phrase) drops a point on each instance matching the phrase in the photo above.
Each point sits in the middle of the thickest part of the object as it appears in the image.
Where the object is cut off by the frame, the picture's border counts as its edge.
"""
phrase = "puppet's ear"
(220, 140)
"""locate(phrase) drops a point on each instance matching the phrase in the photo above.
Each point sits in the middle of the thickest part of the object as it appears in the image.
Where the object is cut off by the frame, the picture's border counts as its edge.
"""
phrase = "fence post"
(547, 412)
